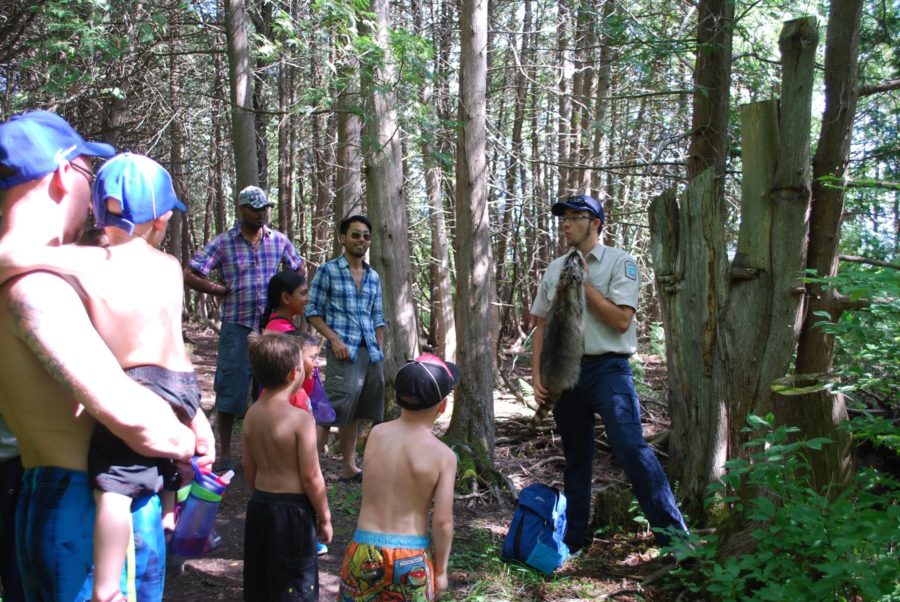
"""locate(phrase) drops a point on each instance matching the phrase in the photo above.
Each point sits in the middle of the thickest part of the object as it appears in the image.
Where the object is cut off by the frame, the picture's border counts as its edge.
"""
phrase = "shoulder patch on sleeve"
(631, 270)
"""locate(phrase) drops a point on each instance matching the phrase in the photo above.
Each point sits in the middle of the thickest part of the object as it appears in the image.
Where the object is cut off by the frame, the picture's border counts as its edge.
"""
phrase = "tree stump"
(612, 509)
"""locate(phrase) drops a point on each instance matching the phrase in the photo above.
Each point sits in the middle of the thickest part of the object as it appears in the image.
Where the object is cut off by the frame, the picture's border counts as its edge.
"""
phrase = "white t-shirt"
(615, 274)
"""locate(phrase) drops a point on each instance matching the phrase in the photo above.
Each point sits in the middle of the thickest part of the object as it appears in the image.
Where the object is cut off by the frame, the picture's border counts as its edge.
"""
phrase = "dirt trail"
(218, 577)
(522, 456)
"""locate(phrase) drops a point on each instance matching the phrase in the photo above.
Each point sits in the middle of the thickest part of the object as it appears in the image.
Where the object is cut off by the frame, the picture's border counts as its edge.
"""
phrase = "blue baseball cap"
(36, 143)
(142, 186)
(579, 202)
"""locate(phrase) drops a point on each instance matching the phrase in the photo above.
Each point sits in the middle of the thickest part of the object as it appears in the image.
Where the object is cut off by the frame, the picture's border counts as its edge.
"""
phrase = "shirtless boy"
(133, 199)
(57, 375)
(407, 472)
(281, 466)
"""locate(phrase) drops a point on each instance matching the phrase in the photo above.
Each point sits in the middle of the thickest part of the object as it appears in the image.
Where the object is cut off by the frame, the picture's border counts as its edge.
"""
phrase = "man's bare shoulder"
(82, 261)
(16, 261)
(30, 290)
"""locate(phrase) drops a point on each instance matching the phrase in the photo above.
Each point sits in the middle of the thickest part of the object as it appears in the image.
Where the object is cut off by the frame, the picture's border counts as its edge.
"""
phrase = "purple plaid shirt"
(246, 270)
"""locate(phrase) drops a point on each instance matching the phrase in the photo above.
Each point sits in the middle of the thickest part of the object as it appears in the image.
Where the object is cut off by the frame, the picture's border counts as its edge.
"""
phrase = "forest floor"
(624, 566)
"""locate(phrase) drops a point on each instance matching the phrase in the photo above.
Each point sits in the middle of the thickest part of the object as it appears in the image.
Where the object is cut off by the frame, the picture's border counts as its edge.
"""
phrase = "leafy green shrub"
(806, 547)
(867, 353)
(657, 339)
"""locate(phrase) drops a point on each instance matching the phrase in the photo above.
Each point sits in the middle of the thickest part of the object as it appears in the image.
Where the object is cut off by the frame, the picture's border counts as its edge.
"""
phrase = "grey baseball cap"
(254, 197)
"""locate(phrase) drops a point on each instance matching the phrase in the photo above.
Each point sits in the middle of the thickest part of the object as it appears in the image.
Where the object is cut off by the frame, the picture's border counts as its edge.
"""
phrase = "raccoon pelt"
(563, 335)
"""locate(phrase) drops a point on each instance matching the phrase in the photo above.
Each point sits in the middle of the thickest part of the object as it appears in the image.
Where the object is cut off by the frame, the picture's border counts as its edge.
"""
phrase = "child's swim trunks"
(381, 566)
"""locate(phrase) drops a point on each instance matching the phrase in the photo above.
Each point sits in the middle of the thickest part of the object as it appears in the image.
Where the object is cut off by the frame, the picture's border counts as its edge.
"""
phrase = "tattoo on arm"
(26, 319)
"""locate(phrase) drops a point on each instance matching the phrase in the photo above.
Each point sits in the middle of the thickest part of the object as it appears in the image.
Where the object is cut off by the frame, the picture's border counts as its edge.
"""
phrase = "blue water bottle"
(194, 534)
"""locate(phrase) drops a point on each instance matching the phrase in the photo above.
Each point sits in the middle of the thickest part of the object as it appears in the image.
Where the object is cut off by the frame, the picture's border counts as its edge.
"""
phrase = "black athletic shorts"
(117, 468)
(280, 561)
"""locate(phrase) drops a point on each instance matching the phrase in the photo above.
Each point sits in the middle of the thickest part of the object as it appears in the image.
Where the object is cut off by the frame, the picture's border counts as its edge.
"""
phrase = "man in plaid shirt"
(345, 307)
(246, 257)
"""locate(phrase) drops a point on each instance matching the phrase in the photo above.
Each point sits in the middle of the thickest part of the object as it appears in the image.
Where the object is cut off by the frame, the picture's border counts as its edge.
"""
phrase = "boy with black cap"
(407, 472)
(133, 199)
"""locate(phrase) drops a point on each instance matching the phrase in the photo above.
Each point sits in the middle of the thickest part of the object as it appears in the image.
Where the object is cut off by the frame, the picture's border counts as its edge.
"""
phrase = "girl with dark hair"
(286, 297)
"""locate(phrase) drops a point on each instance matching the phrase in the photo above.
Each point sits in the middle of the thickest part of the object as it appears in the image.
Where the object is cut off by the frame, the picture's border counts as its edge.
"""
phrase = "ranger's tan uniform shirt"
(615, 274)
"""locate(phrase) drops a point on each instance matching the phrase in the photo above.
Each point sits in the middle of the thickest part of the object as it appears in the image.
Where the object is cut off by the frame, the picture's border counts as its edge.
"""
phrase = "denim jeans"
(232, 381)
(606, 387)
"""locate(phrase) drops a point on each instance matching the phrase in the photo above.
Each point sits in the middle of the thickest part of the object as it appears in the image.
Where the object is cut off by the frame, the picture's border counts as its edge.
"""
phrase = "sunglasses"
(356, 235)
(87, 173)
(574, 218)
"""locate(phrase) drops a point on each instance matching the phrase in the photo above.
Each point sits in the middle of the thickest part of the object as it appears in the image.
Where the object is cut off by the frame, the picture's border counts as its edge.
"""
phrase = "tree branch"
(885, 86)
(868, 261)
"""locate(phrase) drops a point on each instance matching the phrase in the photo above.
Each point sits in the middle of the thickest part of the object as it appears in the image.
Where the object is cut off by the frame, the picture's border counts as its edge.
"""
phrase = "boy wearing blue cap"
(133, 199)
(407, 473)
(57, 374)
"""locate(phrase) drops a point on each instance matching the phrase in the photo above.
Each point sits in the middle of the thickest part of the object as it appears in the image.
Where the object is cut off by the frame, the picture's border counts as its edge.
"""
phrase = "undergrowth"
(476, 554)
(805, 546)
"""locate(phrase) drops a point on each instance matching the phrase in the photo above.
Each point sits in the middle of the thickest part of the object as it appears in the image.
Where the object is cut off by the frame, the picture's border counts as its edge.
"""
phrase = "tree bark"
(240, 80)
(730, 331)
(177, 233)
(348, 197)
(506, 237)
(712, 85)
(117, 109)
(818, 414)
(582, 100)
(323, 192)
(261, 16)
(286, 148)
(565, 103)
(688, 256)
(601, 101)
(389, 253)
(472, 423)
(443, 326)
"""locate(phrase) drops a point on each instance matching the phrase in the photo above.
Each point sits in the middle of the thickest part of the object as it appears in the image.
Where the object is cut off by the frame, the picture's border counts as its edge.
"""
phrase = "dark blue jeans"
(232, 381)
(606, 388)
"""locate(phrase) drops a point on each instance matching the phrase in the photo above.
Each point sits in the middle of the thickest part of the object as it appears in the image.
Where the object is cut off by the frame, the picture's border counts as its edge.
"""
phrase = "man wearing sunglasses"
(246, 257)
(345, 307)
(605, 385)
(57, 376)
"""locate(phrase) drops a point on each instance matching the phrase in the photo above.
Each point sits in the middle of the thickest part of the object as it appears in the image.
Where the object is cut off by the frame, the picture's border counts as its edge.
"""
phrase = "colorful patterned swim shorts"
(380, 566)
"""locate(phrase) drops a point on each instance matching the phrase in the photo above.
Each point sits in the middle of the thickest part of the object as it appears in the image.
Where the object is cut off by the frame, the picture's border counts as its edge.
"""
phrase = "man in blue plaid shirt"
(246, 257)
(345, 307)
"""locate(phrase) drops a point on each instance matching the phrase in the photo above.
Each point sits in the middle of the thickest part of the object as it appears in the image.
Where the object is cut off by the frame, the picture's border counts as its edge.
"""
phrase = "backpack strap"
(517, 539)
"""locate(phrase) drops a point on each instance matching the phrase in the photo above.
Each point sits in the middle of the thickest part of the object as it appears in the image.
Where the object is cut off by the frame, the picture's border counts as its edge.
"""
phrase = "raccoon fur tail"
(563, 335)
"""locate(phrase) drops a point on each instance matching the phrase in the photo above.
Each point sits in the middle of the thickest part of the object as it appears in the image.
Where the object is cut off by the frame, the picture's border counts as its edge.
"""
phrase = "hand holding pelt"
(564, 333)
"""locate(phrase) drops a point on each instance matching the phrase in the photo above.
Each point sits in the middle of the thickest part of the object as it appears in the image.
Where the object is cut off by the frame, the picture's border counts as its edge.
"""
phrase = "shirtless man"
(133, 200)
(407, 473)
(57, 376)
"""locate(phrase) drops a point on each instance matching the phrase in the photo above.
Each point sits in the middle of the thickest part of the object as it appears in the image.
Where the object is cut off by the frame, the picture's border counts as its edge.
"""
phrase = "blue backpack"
(538, 526)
